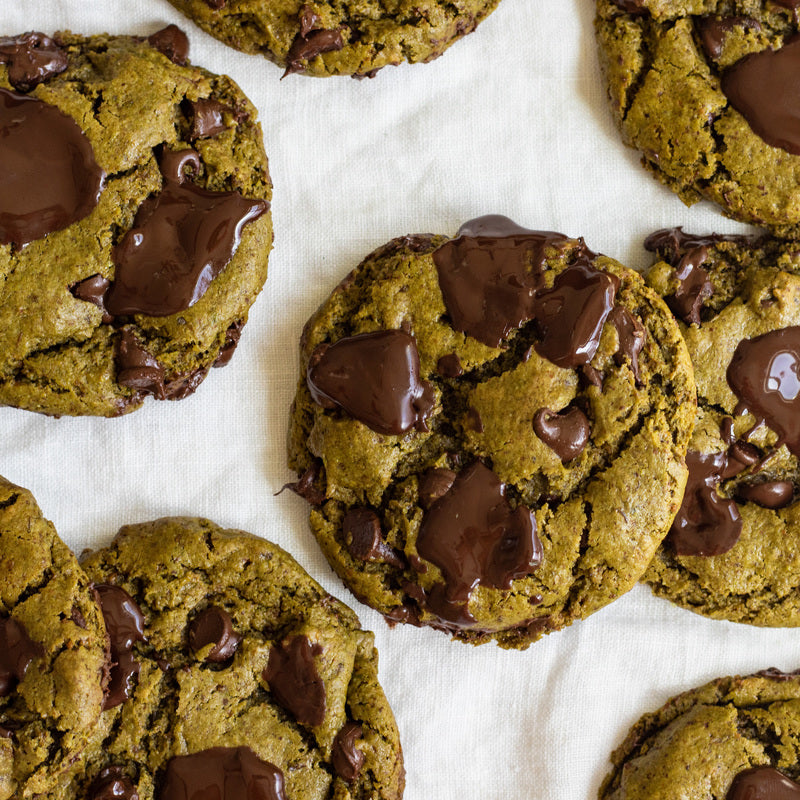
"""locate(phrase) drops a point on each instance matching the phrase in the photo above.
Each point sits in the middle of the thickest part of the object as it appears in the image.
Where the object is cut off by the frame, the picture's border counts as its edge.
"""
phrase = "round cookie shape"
(704, 90)
(134, 221)
(542, 377)
(732, 739)
(239, 669)
(354, 37)
(731, 553)
(52, 651)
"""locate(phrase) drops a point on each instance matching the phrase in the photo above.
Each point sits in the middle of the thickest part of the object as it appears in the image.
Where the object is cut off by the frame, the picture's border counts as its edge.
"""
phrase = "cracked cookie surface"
(237, 648)
(173, 142)
(517, 477)
(338, 37)
(694, 86)
(710, 743)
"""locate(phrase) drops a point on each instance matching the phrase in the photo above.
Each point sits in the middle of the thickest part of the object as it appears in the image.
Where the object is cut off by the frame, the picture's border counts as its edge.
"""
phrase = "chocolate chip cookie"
(490, 430)
(732, 739)
(231, 668)
(134, 221)
(732, 552)
(354, 37)
(704, 89)
(52, 651)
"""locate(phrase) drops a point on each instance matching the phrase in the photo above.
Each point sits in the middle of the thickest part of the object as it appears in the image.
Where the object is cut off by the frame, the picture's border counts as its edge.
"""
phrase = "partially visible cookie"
(732, 739)
(705, 91)
(52, 651)
(231, 664)
(134, 221)
(733, 551)
(490, 430)
(338, 37)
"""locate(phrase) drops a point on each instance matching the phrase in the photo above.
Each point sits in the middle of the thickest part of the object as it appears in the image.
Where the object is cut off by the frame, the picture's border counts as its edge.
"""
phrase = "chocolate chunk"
(631, 335)
(32, 58)
(310, 45)
(184, 384)
(17, 651)
(294, 680)
(762, 87)
(740, 456)
(474, 421)
(216, 4)
(707, 524)
(347, 758)
(764, 375)
(769, 494)
(449, 366)
(208, 118)
(93, 290)
(137, 369)
(305, 485)
(125, 626)
(714, 30)
(775, 674)
(77, 617)
(474, 537)
(433, 484)
(222, 773)
(50, 177)
(763, 783)
(181, 239)
(632, 6)
(214, 626)
(672, 244)
(694, 286)
(112, 784)
(171, 42)
(361, 528)
(232, 336)
(373, 377)
(489, 274)
(565, 432)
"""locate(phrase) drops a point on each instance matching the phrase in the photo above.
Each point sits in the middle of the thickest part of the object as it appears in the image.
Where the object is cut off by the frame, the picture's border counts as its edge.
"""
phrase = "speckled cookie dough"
(490, 430)
(732, 739)
(705, 90)
(134, 221)
(52, 651)
(231, 661)
(733, 550)
(338, 37)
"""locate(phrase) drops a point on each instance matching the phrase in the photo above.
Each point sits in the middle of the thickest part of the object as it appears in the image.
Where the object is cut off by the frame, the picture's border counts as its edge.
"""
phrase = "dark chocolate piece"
(216, 4)
(763, 783)
(449, 366)
(32, 58)
(433, 484)
(182, 238)
(775, 674)
(125, 626)
(565, 432)
(311, 44)
(769, 494)
(50, 177)
(347, 758)
(214, 626)
(714, 30)
(361, 528)
(740, 455)
(304, 486)
(222, 773)
(17, 651)
(137, 369)
(294, 680)
(474, 421)
(672, 244)
(93, 290)
(112, 784)
(489, 274)
(207, 118)
(631, 6)
(171, 42)
(373, 377)
(232, 336)
(694, 286)
(631, 335)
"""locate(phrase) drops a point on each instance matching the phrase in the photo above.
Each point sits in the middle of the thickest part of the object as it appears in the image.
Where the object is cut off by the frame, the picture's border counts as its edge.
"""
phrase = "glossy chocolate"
(32, 58)
(769, 494)
(474, 536)
(714, 30)
(182, 238)
(673, 244)
(232, 336)
(50, 177)
(631, 336)
(310, 45)
(347, 758)
(214, 626)
(449, 366)
(764, 374)
(433, 484)
(373, 377)
(565, 432)
(222, 773)
(93, 290)
(489, 274)
(294, 680)
(208, 118)
(764, 88)
(694, 286)
(17, 651)
(763, 783)
(305, 485)
(707, 524)
(136, 368)
(361, 528)
(171, 42)
(112, 784)
(125, 627)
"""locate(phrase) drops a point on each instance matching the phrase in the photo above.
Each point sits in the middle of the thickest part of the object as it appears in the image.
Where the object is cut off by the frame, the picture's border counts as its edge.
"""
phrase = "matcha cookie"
(732, 739)
(705, 90)
(490, 430)
(345, 37)
(134, 221)
(231, 666)
(732, 552)
(52, 651)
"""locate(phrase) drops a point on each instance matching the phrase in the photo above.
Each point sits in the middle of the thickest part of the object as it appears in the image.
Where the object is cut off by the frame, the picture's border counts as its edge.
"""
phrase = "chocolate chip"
(214, 626)
(32, 58)
(171, 42)
(361, 529)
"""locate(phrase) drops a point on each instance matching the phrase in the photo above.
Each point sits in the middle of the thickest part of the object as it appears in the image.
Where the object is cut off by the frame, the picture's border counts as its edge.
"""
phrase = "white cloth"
(511, 120)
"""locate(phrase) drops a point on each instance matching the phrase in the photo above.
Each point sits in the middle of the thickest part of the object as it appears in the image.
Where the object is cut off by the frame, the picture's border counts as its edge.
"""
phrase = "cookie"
(232, 667)
(704, 90)
(52, 651)
(490, 430)
(732, 551)
(134, 221)
(355, 37)
(732, 739)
